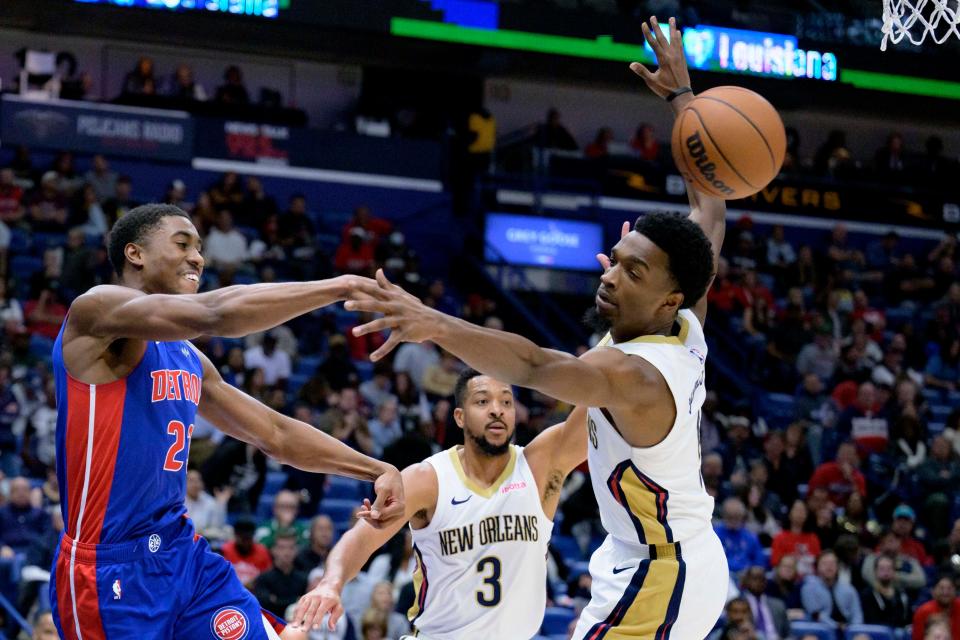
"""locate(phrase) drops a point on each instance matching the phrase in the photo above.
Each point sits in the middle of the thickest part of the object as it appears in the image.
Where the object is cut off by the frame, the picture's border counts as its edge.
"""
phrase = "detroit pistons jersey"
(481, 562)
(122, 446)
(655, 495)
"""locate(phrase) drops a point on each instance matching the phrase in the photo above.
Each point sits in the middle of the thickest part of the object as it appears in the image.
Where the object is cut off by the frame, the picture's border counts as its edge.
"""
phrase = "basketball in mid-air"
(729, 142)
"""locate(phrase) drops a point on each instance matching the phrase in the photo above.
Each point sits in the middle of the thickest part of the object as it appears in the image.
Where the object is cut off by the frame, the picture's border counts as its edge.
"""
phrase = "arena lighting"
(259, 8)
(604, 48)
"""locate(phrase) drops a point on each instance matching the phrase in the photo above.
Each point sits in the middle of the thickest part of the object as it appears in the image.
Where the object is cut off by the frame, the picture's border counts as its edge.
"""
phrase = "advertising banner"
(543, 242)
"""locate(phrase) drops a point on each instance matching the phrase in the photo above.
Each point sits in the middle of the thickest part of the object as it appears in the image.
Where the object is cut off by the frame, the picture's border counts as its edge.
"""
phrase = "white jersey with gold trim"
(655, 495)
(661, 573)
(481, 562)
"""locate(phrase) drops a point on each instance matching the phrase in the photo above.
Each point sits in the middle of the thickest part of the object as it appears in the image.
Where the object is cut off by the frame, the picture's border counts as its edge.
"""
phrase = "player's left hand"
(389, 504)
(603, 258)
(408, 319)
(672, 72)
(314, 605)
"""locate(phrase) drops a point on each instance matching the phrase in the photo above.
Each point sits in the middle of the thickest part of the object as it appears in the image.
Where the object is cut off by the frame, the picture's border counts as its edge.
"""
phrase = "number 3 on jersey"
(493, 581)
(181, 439)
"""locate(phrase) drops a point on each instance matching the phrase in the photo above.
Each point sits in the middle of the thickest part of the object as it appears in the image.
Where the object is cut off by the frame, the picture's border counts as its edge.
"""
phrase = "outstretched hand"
(672, 72)
(408, 319)
(603, 258)
(389, 504)
(315, 604)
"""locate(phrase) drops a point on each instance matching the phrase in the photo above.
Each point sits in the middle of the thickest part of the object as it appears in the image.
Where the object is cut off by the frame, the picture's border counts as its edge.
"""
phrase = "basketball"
(729, 142)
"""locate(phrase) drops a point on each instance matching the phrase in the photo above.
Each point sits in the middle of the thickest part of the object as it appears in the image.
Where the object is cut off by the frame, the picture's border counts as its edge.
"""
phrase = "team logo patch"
(154, 543)
(229, 624)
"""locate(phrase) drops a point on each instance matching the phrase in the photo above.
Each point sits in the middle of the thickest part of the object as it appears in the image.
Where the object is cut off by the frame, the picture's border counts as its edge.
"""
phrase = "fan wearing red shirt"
(355, 254)
(841, 477)
(249, 558)
(11, 198)
(904, 518)
(376, 228)
(795, 541)
(45, 314)
(945, 603)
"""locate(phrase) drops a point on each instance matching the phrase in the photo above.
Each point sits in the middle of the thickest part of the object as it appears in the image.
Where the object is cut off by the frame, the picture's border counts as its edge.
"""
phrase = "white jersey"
(481, 562)
(655, 495)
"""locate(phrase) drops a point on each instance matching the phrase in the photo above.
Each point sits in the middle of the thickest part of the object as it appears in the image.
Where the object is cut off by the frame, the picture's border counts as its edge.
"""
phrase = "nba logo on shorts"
(229, 624)
(154, 543)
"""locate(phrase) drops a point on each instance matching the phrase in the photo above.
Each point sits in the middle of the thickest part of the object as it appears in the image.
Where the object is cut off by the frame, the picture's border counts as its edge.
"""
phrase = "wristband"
(678, 92)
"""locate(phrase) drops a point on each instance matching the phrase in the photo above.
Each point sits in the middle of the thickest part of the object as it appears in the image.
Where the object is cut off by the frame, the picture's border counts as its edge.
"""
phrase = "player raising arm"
(129, 385)
(481, 517)
(661, 569)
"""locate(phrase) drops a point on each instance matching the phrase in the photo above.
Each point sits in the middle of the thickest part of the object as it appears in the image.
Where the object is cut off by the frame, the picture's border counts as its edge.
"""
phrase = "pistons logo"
(229, 624)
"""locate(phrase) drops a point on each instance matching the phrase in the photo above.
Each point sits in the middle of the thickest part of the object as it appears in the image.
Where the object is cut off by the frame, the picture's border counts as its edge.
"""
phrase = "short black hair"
(134, 226)
(689, 252)
(460, 390)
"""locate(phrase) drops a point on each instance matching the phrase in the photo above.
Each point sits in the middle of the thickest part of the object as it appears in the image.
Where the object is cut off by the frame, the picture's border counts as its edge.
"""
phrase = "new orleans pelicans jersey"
(481, 562)
(655, 495)
(661, 572)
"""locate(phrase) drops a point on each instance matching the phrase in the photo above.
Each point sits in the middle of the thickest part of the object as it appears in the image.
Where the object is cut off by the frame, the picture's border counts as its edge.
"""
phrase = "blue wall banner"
(97, 128)
(543, 242)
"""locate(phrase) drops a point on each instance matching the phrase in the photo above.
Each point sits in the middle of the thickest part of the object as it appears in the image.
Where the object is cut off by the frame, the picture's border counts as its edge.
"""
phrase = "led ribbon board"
(259, 8)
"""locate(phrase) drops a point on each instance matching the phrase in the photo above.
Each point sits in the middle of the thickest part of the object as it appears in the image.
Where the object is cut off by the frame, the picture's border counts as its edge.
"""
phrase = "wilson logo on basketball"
(707, 168)
(229, 624)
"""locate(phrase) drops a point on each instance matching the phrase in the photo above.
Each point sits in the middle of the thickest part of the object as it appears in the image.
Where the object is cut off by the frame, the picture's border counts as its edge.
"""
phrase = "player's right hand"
(323, 599)
(671, 60)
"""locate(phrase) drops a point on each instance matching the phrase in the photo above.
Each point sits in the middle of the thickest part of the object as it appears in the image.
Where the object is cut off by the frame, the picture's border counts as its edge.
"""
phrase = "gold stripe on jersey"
(483, 492)
(419, 588)
(647, 506)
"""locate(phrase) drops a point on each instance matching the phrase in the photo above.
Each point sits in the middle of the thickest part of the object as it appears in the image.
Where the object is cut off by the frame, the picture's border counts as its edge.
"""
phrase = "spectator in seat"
(377, 229)
(345, 422)
(797, 540)
(552, 134)
(769, 614)
(644, 143)
(737, 613)
(889, 161)
(780, 253)
(102, 178)
(12, 210)
(39, 450)
(909, 572)
(412, 405)
(415, 358)
(11, 313)
(227, 193)
(43, 627)
(373, 625)
(841, 477)
(257, 205)
(45, 314)
(355, 254)
(945, 604)
(208, 513)
(338, 369)
(283, 584)
(275, 363)
(232, 91)
(439, 380)
(938, 477)
(182, 85)
(741, 546)
(904, 518)
(141, 81)
(225, 247)
(286, 506)
(821, 356)
(88, 213)
(828, 600)
(48, 209)
(249, 558)
(598, 148)
(382, 601)
(943, 368)
(785, 584)
(865, 422)
(385, 429)
(321, 541)
(938, 628)
(20, 522)
(884, 602)
(378, 388)
(123, 201)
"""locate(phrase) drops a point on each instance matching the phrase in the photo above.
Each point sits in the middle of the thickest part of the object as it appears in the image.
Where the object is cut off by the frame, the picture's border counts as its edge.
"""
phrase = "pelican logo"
(698, 151)
(45, 124)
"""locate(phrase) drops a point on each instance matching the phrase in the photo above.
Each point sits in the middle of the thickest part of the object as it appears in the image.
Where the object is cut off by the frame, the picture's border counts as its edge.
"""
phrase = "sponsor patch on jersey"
(154, 543)
(513, 486)
(229, 623)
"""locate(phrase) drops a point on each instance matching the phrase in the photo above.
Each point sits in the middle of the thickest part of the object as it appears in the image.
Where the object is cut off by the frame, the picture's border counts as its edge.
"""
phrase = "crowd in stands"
(834, 506)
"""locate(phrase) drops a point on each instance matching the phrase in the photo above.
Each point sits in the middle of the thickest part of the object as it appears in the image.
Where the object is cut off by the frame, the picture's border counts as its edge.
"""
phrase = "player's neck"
(481, 468)
(665, 328)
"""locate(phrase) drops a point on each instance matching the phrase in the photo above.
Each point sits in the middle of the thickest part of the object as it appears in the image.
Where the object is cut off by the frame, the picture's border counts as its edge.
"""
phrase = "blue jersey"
(122, 446)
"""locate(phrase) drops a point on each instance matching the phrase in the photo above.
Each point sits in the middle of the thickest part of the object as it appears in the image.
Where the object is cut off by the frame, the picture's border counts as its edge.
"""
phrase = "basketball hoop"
(917, 19)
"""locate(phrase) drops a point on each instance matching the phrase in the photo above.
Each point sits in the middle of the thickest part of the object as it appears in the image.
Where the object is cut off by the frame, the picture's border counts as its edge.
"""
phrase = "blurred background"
(482, 153)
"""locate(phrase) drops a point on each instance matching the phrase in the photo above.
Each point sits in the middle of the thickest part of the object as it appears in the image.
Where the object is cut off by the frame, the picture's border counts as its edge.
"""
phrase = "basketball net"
(917, 19)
